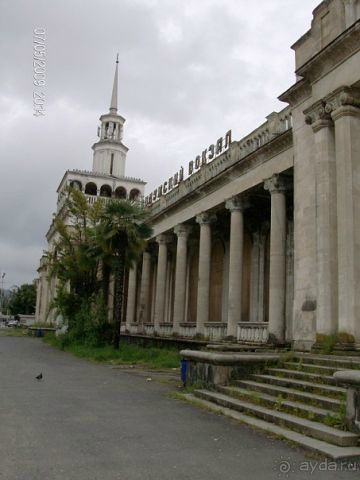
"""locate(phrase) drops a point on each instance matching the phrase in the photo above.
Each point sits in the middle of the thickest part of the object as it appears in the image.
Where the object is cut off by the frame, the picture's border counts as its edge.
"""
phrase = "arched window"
(134, 194)
(105, 191)
(91, 189)
(120, 192)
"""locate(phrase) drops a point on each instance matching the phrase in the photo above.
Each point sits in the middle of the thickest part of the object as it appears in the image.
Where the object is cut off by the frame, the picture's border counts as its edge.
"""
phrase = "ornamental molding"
(229, 168)
(182, 230)
(277, 184)
(205, 218)
(297, 93)
(163, 239)
(322, 112)
(237, 203)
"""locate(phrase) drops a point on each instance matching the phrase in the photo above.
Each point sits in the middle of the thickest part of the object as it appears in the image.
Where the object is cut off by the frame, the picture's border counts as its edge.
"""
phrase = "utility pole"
(2, 276)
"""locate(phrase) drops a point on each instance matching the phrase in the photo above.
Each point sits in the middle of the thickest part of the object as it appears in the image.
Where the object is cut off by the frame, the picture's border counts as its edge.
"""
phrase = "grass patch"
(13, 332)
(126, 355)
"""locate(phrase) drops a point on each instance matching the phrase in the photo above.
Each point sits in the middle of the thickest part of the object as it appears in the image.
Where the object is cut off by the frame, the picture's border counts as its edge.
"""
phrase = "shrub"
(86, 318)
(326, 343)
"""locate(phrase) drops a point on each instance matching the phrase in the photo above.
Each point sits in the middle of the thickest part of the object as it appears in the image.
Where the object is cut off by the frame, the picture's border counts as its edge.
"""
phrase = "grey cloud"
(189, 71)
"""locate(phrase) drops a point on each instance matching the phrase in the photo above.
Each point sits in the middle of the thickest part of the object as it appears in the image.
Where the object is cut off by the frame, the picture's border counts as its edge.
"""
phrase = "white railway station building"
(257, 239)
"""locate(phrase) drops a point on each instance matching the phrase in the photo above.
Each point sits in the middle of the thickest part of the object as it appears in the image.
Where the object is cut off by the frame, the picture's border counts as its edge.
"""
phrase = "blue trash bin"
(39, 333)
(183, 370)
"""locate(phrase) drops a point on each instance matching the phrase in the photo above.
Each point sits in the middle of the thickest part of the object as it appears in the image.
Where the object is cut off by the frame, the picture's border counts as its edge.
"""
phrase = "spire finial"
(113, 103)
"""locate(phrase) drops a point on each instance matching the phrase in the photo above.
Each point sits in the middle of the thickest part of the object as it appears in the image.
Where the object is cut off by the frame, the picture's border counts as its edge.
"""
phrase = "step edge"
(291, 403)
(334, 401)
(332, 451)
(330, 388)
(290, 418)
(300, 372)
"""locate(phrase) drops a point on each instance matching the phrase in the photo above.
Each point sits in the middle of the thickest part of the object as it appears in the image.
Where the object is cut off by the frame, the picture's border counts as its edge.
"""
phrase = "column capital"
(345, 111)
(182, 230)
(163, 239)
(344, 101)
(324, 108)
(237, 203)
(147, 252)
(318, 115)
(276, 184)
(321, 123)
(205, 218)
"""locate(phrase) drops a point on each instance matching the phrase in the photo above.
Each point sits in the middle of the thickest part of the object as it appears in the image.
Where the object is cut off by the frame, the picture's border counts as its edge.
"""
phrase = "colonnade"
(237, 205)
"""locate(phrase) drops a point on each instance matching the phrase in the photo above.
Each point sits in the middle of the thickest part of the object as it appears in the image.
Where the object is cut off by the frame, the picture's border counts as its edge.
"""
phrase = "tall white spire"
(109, 151)
(113, 103)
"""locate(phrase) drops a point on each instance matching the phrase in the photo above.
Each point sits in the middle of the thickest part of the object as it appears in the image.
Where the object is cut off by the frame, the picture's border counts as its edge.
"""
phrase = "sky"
(189, 70)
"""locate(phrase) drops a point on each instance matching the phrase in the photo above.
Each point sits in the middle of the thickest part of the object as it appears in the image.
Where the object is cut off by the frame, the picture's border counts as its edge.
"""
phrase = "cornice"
(297, 93)
(194, 188)
(111, 116)
(110, 143)
(337, 51)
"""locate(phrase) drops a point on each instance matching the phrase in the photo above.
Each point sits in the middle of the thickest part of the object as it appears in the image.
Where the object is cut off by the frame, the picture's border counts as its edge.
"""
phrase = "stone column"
(276, 185)
(182, 232)
(131, 299)
(162, 240)
(262, 248)
(203, 293)
(326, 238)
(38, 297)
(236, 206)
(347, 141)
(143, 311)
(255, 278)
(289, 302)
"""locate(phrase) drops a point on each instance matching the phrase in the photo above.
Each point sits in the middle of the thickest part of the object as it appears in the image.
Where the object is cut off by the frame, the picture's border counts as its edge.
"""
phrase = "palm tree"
(123, 237)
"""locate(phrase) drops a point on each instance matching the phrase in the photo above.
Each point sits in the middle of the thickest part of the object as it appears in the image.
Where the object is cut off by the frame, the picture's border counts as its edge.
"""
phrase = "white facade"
(272, 249)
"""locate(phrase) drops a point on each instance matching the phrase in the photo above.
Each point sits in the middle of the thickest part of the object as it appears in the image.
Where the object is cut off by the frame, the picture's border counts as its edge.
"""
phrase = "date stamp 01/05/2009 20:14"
(39, 71)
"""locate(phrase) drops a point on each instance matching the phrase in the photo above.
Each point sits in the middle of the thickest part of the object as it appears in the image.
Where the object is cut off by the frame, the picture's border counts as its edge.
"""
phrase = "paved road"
(90, 422)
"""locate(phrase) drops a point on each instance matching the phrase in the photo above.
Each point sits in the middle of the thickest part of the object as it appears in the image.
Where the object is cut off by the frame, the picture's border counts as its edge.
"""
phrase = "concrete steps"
(311, 368)
(278, 403)
(313, 445)
(301, 425)
(338, 362)
(303, 375)
(298, 400)
(292, 394)
(312, 387)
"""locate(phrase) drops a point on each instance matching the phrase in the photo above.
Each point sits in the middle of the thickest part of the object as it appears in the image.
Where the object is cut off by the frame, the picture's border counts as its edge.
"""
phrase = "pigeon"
(39, 377)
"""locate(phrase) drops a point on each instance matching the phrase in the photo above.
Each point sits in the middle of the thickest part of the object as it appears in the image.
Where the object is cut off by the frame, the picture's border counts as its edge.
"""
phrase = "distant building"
(258, 239)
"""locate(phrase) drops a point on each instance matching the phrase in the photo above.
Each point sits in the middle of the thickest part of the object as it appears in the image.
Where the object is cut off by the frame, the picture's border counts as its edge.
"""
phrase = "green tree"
(23, 300)
(92, 242)
(73, 260)
(122, 237)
